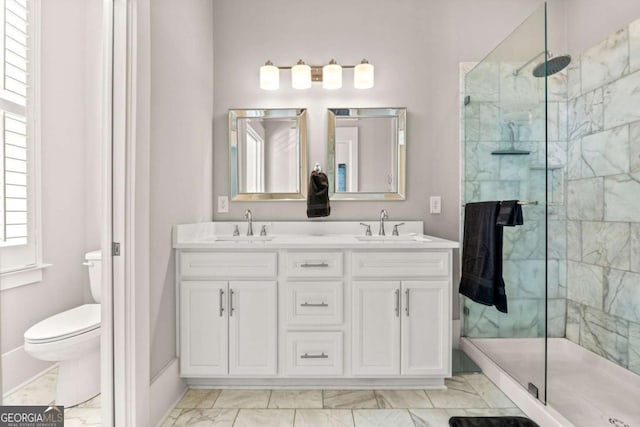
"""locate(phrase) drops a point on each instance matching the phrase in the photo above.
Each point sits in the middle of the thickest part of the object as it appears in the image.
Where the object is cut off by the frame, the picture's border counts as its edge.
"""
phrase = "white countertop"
(305, 235)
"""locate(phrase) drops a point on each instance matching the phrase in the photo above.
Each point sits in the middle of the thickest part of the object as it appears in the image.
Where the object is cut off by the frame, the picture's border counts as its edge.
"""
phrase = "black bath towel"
(318, 196)
(491, 422)
(510, 213)
(482, 256)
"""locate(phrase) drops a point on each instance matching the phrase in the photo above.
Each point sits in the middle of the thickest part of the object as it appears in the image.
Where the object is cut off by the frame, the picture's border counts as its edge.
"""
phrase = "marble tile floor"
(42, 391)
(466, 394)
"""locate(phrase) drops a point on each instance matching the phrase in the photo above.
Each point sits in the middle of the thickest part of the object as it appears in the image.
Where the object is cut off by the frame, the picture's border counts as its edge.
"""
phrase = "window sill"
(27, 276)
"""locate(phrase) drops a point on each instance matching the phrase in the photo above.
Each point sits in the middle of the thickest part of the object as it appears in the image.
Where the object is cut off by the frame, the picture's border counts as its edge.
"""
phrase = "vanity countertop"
(305, 235)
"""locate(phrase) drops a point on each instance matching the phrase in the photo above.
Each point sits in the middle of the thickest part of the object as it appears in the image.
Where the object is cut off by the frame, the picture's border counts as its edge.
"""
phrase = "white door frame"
(130, 214)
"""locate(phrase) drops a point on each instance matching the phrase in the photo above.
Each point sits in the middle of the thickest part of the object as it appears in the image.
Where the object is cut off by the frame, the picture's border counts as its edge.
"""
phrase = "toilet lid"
(67, 324)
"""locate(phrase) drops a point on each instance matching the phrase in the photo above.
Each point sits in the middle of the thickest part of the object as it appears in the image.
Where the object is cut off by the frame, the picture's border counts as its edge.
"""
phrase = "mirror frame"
(300, 114)
(401, 115)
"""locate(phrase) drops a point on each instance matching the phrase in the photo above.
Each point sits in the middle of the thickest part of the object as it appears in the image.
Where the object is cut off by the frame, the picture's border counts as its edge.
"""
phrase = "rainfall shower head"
(554, 65)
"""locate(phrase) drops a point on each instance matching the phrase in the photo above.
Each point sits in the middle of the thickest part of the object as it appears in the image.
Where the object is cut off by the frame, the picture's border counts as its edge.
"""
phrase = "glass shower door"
(505, 158)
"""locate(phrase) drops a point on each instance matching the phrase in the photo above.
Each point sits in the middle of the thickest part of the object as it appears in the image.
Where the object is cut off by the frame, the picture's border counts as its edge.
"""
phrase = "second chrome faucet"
(249, 217)
(383, 216)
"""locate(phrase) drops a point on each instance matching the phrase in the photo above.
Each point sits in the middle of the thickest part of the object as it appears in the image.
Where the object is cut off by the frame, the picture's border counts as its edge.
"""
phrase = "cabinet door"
(376, 328)
(203, 329)
(425, 328)
(252, 328)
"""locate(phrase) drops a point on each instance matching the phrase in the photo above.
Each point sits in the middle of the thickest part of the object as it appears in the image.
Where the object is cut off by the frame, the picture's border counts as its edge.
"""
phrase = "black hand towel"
(510, 214)
(318, 196)
(482, 256)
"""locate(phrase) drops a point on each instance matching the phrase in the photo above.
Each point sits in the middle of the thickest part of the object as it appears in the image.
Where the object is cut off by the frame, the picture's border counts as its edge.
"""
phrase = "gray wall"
(180, 149)
(415, 46)
(71, 212)
(590, 21)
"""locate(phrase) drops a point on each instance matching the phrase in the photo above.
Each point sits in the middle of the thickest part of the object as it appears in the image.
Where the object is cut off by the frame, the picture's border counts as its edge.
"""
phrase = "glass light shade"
(363, 76)
(269, 77)
(332, 76)
(301, 76)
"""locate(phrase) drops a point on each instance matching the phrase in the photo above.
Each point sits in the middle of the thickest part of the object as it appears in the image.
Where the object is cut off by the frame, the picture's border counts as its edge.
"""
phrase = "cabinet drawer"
(314, 264)
(226, 265)
(400, 264)
(311, 303)
(313, 353)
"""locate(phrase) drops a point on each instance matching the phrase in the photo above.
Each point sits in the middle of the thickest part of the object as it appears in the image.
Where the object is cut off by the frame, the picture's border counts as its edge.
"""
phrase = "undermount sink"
(240, 238)
(401, 238)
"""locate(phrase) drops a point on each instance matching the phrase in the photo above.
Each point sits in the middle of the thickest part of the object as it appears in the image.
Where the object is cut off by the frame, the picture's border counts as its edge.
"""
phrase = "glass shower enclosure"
(505, 148)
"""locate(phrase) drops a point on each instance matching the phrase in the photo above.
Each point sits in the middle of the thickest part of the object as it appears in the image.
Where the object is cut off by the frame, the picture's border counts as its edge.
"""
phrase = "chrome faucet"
(383, 216)
(249, 218)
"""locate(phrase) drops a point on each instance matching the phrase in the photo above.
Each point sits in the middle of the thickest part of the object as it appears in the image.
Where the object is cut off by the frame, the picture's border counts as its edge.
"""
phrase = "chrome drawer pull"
(319, 264)
(231, 309)
(306, 304)
(314, 356)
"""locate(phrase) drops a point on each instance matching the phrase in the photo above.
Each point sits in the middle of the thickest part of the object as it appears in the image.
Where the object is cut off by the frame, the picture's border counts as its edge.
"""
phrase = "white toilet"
(72, 338)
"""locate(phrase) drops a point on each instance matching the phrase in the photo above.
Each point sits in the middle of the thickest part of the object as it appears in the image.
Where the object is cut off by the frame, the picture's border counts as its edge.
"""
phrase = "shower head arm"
(523, 66)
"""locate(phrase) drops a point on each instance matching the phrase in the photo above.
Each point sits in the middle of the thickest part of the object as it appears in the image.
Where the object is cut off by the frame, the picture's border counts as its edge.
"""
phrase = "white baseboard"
(18, 369)
(166, 389)
(456, 333)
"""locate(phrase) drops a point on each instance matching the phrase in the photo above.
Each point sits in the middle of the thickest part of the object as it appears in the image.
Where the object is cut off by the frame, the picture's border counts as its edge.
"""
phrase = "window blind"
(14, 168)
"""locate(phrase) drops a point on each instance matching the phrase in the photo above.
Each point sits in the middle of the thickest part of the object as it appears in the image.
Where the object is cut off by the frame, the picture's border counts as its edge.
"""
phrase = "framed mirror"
(268, 154)
(367, 153)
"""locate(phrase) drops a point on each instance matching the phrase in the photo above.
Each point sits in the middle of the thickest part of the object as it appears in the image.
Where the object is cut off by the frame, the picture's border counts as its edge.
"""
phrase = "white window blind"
(17, 231)
(14, 225)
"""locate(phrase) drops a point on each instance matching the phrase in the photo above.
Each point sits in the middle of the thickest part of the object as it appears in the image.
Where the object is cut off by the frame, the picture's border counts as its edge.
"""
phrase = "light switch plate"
(435, 205)
(223, 204)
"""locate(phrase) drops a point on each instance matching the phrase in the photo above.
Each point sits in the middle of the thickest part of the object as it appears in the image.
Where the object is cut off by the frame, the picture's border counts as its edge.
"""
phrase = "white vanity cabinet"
(227, 327)
(310, 311)
(401, 327)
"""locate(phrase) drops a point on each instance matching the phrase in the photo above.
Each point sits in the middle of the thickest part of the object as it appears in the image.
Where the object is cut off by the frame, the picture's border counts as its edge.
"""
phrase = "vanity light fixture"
(330, 75)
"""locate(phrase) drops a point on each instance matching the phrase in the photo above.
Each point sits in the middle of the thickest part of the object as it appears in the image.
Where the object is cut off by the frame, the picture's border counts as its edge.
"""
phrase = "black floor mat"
(491, 422)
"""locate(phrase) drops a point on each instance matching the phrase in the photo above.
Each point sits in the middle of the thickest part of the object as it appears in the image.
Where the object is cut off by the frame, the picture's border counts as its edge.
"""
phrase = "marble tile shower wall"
(506, 106)
(603, 194)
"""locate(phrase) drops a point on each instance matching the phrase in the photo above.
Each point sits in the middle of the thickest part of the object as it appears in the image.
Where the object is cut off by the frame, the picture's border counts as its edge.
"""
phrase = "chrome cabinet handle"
(231, 309)
(306, 304)
(221, 306)
(319, 264)
(397, 302)
(314, 356)
(406, 309)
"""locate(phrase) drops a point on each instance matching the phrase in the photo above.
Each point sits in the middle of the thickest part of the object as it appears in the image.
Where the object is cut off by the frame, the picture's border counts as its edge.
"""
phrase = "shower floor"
(583, 387)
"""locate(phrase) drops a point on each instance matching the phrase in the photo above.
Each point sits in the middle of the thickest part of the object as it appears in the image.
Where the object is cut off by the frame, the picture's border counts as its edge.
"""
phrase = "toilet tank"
(93, 260)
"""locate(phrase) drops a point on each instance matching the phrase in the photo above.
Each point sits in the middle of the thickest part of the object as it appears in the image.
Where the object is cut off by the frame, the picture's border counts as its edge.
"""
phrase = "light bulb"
(363, 75)
(269, 76)
(301, 76)
(332, 75)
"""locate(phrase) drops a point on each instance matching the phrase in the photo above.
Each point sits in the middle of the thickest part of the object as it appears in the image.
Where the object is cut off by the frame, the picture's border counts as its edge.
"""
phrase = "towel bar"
(521, 202)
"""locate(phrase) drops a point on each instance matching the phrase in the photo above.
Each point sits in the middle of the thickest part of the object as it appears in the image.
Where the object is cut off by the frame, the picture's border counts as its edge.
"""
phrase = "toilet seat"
(65, 325)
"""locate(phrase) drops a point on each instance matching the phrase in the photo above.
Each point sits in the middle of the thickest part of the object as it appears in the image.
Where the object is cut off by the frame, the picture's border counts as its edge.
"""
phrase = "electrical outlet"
(223, 204)
(435, 205)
